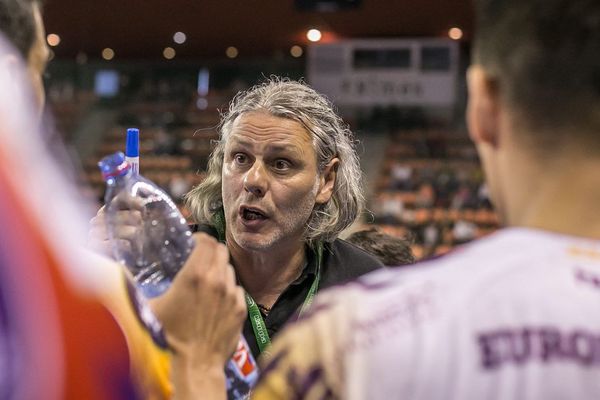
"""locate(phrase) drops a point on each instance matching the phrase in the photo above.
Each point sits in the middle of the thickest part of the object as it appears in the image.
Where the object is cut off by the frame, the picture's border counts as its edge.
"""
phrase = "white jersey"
(513, 316)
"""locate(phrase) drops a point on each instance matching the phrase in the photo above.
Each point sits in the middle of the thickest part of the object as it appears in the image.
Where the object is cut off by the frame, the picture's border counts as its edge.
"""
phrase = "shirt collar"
(309, 268)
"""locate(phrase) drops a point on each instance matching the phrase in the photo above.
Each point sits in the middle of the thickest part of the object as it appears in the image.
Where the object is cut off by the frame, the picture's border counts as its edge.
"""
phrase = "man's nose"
(255, 181)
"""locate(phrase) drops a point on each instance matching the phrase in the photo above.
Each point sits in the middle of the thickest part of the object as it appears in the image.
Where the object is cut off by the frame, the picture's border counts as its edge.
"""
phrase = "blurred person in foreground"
(283, 181)
(58, 303)
(513, 315)
(392, 251)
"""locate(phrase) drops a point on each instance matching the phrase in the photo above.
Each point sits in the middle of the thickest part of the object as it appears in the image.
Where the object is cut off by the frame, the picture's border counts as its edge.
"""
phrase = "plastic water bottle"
(162, 241)
(159, 249)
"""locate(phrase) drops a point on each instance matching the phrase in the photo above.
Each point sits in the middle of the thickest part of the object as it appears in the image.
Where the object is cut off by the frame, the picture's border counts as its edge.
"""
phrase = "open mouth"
(252, 214)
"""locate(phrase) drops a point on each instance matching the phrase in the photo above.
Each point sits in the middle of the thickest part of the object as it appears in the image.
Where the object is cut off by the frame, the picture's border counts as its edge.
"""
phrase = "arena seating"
(431, 191)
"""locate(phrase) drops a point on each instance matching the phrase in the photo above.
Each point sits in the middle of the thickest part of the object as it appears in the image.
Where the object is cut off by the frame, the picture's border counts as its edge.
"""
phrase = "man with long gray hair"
(283, 181)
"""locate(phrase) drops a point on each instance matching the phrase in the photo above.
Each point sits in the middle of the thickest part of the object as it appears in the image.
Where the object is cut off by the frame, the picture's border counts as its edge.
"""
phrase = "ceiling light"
(179, 37)
(296, 51)
(314, 35)
(169, 53)
(201, 103)
(455, 33)
(108, 54)
(53, 39)
(231, 52)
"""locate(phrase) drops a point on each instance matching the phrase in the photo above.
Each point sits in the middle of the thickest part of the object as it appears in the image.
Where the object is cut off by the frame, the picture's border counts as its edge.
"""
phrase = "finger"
(222, 261)
(237, 297)
(124, 201)
(123, 217)
(201, 257)
(129, 217)
(241, 309)
(123, 245)
(127, 232)
(205, 247)
(230, 274)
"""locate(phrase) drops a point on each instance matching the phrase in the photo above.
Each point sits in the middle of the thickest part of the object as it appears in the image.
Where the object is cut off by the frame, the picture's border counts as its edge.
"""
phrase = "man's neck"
(562, 196)
(266, 274)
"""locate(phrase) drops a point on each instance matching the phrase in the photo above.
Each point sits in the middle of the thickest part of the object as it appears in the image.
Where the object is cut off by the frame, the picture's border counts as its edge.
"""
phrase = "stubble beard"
(292, 225)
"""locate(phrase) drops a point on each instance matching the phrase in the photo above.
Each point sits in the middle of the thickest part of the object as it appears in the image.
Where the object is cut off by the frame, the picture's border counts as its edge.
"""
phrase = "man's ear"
(483, 107)
(327, 181)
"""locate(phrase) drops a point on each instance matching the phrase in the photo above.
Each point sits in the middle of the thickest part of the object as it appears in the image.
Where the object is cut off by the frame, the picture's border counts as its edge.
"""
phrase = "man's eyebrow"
(271, 147)
(241, 142)
(282, 147)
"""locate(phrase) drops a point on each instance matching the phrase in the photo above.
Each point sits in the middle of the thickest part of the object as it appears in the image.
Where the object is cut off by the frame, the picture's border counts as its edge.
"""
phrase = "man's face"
(38, 58)
(270, 181)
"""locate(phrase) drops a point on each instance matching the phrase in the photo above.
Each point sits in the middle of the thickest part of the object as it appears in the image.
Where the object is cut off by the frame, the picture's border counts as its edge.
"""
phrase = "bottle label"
(118, 171)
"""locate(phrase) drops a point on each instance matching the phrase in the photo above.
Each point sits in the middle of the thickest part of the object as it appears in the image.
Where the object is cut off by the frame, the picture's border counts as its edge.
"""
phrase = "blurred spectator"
(165, 143)
(401, 175)
(460, 197)
(179, 186)
(463, 231)
(483, 194)
(425, 196)
(431, 235)
(389, 208)
(390, 250)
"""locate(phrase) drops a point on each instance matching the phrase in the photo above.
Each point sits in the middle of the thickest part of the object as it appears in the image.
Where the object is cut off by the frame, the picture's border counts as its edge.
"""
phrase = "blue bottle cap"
(114, 165)
(132, 148)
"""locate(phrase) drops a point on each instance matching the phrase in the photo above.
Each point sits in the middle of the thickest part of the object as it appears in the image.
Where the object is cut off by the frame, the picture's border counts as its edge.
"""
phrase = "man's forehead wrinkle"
(274, 145)
(279, 138)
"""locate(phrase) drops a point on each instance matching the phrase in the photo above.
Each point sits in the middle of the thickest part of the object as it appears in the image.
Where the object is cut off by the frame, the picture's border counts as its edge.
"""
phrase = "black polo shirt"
(342, 262)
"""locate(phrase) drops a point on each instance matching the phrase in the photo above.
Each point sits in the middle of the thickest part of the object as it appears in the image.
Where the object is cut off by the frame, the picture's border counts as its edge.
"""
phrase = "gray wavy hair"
(331, 138)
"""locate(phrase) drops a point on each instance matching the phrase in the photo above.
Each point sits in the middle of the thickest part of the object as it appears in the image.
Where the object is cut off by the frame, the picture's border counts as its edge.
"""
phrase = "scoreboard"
(383, 72)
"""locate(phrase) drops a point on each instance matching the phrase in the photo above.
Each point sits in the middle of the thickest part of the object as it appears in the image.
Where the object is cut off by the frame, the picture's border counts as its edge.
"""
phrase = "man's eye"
(282, 165)
(240, 158)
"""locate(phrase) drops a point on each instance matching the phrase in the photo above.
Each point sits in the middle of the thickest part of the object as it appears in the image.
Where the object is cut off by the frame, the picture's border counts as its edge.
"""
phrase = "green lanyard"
(258, 323)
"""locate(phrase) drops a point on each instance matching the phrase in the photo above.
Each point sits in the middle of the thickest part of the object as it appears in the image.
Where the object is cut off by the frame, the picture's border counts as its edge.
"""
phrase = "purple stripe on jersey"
(304, 384)
(273, 363)
(588, 277)
(299, 383)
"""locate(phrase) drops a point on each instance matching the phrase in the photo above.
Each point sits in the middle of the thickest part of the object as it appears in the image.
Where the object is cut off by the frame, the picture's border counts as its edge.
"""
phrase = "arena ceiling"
(141, 29)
